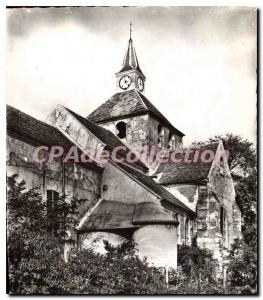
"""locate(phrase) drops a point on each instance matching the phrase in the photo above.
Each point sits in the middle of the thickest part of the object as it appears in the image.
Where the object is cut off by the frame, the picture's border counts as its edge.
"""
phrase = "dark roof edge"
(153, 222)
(134, 178)
(120, 117)
(123, 72)
(161, 117)
(35, 143)
(168, 124)
(140, 165)
(190, 182)
(147, 111)
(153, 192)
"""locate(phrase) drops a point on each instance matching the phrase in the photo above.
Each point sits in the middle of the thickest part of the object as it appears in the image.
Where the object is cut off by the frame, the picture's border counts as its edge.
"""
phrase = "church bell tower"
(130, 76)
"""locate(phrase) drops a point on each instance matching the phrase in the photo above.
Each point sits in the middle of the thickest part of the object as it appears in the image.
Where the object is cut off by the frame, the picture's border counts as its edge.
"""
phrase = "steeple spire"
(130, 76)
(130, 61)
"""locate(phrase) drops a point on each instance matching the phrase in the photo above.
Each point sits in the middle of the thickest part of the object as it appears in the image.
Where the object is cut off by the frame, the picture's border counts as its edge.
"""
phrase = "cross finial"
(130, 29)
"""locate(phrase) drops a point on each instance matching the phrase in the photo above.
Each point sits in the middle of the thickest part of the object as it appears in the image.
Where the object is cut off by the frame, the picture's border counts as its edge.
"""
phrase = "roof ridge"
(125, 167)
(156, 111)
(21, 112)
(139, 94)
(108, 133)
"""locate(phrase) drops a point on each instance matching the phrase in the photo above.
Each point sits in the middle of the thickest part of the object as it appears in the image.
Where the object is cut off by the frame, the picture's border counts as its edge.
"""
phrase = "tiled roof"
(120, 104)
(35, 132)
(118, 215)
(29, 128)
(128, 103)
(150, 213)
(189, 191)
(154, 186)
(186, 172)
(106, 136)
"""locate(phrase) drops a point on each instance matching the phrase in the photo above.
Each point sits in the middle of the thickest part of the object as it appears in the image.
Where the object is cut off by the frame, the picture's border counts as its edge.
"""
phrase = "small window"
(121, 130)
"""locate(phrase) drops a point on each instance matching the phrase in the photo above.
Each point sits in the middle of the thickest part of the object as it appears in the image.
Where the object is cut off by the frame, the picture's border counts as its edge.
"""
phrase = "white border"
(3, 4)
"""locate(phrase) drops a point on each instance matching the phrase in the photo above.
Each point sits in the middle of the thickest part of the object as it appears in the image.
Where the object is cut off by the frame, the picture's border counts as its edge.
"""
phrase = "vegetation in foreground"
(36, 249)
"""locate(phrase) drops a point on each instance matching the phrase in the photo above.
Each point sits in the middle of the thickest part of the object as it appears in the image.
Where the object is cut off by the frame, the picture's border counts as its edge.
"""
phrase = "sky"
(200, 63)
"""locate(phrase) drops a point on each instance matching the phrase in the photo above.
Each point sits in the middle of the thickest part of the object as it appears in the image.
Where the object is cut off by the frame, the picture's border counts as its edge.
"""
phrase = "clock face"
(140, 84)
(125, 82)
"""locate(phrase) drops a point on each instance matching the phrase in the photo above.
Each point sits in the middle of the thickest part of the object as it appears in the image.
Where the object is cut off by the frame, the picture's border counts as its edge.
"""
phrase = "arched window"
(121, 130)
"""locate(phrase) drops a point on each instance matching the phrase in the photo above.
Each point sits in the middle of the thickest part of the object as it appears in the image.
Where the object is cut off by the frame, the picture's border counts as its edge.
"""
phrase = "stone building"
(157, 203)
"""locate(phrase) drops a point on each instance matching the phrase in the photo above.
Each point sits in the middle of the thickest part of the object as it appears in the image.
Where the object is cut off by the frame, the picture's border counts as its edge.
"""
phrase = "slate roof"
(154, 186)
(118, 215)
(152, 213)
(29, 128)
(128, 103)
(106, 136)
(189, 191)
(186, 172)
(37, 133)
(130, 61)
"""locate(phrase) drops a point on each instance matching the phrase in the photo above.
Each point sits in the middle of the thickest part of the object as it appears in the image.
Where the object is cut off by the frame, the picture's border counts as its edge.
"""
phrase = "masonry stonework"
(157, 205)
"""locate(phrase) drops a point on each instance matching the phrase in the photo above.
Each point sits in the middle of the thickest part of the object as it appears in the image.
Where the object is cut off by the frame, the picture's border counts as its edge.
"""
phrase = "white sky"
(200, 63)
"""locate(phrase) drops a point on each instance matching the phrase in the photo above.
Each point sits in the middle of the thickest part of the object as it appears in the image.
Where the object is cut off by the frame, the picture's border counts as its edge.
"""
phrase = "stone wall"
(208, 222)
(75, 180)
(221, 184)
(218, 217)
(142, 133)
(117, 186)
(76, 132)
(137, 130)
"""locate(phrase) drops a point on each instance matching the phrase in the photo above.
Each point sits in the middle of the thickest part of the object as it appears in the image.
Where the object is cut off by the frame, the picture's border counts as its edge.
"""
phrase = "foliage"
(36, 256)
(243, 254)
(199, 268)
(34, 241)
(243, 267)
(37, 265)
(246, 198)
(242, 155)
(242, 163)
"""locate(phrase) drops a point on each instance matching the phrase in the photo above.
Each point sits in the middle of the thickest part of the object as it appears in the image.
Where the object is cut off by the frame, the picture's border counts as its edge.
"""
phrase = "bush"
(36, 254)
(243, 267)
(198, 271)
(36, 262)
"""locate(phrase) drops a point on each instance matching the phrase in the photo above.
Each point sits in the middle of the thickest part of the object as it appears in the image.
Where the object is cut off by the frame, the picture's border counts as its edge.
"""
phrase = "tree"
(32, 246)
(199, 267)
(36, 262)
(242, 155)
(243, 267)
(242, 162)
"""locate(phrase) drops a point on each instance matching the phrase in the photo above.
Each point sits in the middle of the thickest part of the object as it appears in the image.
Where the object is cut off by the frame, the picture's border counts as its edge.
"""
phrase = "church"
(157, 204)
